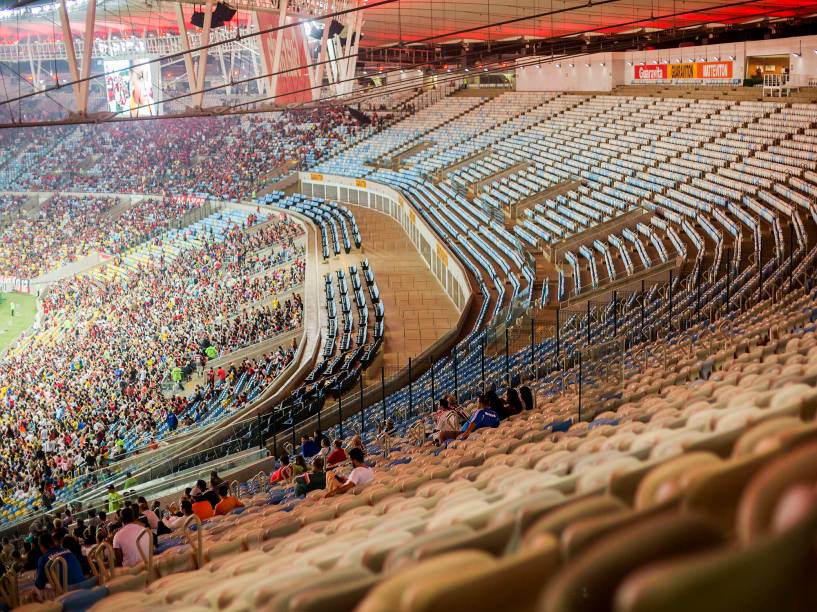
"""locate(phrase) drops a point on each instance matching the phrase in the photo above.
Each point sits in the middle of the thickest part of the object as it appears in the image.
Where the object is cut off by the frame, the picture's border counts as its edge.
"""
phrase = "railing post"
(643, 306)
(588, 324)
(615, 314)
(728, 281)
(433, 389)
(362, 416)
(507, 359)
(698, 297)
(558, 334)
(274, 435)
(456, 374)
(319, 416)
(411, 397)
(260, 433)
(791, 254)
(533, 346)
(580, 386)
(340, 415)
(482, 362)
(383, 393)
(759, 279)
(292, 418)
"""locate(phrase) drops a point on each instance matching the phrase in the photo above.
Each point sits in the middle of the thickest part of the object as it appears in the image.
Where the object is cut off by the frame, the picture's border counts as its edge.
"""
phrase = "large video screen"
(130, 89)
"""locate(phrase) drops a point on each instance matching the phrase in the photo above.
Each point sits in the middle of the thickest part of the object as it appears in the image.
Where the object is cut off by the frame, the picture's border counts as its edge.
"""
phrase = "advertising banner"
(697, 71)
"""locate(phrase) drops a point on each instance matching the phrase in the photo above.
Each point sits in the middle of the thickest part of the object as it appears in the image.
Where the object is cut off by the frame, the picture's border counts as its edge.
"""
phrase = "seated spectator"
(50, 549)
(446, 423)
(311, 481)
(526, 395)
(513, 405)
(361, 474)
(124, 541)
(215, 479)
(147, 516)
(326, 447)
(283, 472)
(228, 502)
(357, 442)
(201, 490)
(389, 428)
(483, 417)
(202, 508)
(175, 521)
(338, 455)
(309, 448)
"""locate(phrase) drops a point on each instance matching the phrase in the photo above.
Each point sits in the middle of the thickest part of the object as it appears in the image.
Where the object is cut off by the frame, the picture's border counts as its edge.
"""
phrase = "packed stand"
(66, 228)
(218, 157)
(87, 386)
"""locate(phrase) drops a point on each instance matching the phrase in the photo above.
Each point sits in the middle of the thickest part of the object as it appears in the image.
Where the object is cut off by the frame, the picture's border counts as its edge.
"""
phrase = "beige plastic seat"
(388, 595)
(510, 583)
(590, 581)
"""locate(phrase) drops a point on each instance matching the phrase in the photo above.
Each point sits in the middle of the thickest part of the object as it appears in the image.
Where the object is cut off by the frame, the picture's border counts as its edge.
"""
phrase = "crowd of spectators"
(10, 207)
(66, 228)
(105, 346)
(75, 536)
(221, 157)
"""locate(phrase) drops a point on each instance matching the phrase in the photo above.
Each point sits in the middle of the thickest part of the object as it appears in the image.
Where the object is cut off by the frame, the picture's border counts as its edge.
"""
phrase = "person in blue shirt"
(50, 550)
(483, 417)
(172, 421)
(309, 448)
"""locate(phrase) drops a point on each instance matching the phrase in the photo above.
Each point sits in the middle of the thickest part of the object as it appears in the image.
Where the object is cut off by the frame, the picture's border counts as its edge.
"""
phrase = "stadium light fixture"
(602, 64)
(731, 58)
(588, 65)
(572, 65)
(629, 63)
(715, 58)
(558, 65)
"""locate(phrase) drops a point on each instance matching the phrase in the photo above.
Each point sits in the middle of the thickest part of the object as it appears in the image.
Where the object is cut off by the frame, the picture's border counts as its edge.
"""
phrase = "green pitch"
(25, 309)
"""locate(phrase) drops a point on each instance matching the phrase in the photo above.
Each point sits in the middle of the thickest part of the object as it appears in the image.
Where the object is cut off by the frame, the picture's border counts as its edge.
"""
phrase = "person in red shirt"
(222, 375)
(202, 508)
(338, 455)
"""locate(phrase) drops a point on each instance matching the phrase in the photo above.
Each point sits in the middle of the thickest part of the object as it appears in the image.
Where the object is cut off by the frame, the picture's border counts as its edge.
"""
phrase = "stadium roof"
(429, 21)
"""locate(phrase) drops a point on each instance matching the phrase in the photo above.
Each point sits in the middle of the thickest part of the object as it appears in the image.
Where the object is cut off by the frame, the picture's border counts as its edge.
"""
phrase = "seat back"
(773, 574)
(56, 571)
(590, 581)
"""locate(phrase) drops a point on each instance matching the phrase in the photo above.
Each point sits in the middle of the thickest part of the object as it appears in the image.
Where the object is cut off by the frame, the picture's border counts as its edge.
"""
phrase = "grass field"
(25, 309)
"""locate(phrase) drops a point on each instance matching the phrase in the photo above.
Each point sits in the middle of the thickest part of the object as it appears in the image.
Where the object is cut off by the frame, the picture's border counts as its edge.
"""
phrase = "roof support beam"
(185, 44)
(277, 45)
(87, 52)
(205, 41)
(68, 39)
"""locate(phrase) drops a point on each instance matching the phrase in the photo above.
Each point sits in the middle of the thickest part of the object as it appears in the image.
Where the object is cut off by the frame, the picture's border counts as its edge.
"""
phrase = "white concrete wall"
(603, 73)
(619, 68)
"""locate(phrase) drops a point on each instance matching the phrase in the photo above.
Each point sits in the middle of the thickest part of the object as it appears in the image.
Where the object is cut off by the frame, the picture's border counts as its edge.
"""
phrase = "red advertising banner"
(651, 72)
(680, 72)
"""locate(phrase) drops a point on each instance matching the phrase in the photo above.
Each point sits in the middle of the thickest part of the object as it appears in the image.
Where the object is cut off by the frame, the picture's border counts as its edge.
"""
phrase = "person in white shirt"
(361, 474)
(124, 541)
